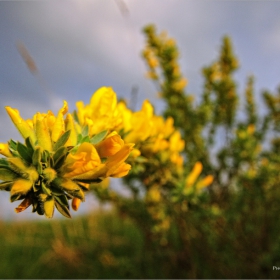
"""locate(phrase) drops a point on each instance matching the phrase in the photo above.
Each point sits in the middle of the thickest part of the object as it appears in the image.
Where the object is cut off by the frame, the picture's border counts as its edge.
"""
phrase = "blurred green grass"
(99, 245)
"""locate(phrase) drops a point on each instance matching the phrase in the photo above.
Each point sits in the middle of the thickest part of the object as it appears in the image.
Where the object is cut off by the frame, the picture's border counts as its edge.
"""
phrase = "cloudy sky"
(79, 46)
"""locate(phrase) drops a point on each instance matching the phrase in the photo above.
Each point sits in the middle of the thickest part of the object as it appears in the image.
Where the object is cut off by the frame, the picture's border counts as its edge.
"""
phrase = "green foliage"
(235, 219)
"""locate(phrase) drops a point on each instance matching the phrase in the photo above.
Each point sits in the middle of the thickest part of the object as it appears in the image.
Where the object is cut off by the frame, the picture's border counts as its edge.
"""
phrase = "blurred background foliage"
(205, 209)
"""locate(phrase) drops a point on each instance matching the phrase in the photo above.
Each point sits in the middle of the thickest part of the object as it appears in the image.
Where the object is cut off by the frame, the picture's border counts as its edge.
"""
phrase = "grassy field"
(103, 245)
(93, 246)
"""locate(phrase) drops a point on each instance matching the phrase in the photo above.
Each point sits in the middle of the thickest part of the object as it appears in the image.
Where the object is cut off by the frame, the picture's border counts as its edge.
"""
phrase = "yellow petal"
(194, 174)
(42, 132)
(4, 150)
(22, 126)
(135, 153)
(153, 194)
(21, 186)
(64, 109)
(84, 159)
(141, 125)
(115, 164)
(176, 143)
(121, 170)
(104, 101)
(18, 163)
(76, 203)
(110, 146)
(59, 125)
(119, 157)
(147, 108)
(205, 182)
(94, 173)
(49, 207)
(69, 125)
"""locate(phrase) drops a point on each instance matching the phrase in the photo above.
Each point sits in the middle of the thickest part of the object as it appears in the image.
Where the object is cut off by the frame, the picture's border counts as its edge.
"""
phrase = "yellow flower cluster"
(63, 154)
(59, 160)
(149, 132)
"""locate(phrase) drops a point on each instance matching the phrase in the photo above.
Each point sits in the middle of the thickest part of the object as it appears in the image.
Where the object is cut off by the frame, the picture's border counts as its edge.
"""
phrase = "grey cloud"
(79, 46)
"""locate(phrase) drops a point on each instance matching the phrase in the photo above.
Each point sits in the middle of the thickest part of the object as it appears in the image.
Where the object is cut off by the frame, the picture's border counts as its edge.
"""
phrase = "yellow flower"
(194, 174)
(180, 85)
(111, 145)
(125, 114)
(177, 159)
(152, 61)
(44, 129)
(203, 183)
(76, 203)
(135, 153)
(153, 195)
(251, 129)
(58, 158)
(101, 113)
(103, 102)
(141, 124)
(113, 167)
(191, 180)
(85, 159)
(161, 126)
(119, 171)
(176, 143)
(158, 144)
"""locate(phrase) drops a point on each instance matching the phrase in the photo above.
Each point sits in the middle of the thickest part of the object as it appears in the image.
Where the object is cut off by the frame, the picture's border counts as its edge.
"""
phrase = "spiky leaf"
(60, 162)
(64, 210)
(6, 186)
(79, 138)
(6, 174)
(16, 196)
(29, 144)
(13, 147)
(57, 191)
(24, 152)
(85, 130)
(59, 157)
(35, 205)
(4, 162)
(45, 156)
(85, 139)
(40, 208)
(89, 181)
(78, 193)
(36, 157)
(45, 189)
(62, 199)
(98, 137)
(36, 187)
(76, 118)
(62, 140)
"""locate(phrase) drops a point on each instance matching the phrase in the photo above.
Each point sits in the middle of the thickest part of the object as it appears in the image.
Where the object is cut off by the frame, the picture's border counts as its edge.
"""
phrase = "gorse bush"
(205, 210)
